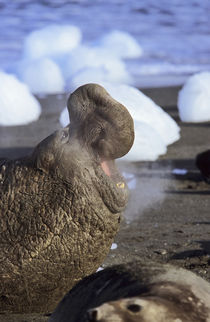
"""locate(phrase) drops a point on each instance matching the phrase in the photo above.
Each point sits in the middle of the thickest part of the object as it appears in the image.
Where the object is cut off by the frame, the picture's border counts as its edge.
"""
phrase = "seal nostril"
(134, 308)
(93, 315)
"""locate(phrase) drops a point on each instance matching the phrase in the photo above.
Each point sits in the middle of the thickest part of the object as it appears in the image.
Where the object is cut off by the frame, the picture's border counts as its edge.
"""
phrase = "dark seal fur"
(203, 164)
(60, 207)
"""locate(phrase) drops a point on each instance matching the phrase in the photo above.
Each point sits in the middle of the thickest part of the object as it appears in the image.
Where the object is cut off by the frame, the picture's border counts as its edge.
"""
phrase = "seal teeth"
(121, 185)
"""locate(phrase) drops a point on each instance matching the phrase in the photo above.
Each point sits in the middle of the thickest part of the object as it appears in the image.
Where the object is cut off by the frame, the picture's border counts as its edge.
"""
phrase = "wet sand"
(168, 217)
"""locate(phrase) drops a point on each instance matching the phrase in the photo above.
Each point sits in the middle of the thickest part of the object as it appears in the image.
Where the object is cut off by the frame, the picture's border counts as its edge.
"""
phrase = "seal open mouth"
(110, 169)
(106, 167)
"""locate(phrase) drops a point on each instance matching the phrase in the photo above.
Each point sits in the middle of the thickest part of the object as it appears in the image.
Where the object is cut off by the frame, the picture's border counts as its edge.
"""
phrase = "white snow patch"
(17, 105)
(194, 99)
(100, 269)
(114, 246)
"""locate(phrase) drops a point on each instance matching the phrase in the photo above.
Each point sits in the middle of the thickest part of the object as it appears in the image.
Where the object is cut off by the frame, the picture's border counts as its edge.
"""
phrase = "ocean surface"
(174, 35)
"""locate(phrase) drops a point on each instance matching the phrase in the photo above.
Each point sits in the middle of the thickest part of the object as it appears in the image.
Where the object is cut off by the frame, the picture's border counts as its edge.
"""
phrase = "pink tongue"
(105, 167)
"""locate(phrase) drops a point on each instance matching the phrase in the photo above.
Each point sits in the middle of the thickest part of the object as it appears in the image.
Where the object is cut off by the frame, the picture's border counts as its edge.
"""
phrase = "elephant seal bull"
(60, 206)
(137, 291)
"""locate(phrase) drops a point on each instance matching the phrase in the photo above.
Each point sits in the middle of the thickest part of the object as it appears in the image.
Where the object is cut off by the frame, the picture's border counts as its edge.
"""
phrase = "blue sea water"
(174, 35)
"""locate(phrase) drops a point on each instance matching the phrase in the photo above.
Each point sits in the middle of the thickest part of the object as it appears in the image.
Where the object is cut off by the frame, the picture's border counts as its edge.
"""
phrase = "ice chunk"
(148, 144)
(114, 246)
(42, 76)
(73, 63)
(64, 117)
(194, 98)
(99, 75)
(91, 64)
(17, 105)
(52, 40)
(121, 44)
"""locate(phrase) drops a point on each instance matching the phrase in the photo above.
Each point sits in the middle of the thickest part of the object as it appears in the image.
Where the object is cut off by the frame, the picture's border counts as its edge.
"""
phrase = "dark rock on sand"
(60, 206)
(137, 291)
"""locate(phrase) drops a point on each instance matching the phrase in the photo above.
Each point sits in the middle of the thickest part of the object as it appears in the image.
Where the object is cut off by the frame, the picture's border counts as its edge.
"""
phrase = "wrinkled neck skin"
(56, 222)
(103, 176)
(80, 167)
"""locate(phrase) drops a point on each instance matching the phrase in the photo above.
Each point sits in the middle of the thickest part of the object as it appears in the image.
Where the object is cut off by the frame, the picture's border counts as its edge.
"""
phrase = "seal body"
(137, 291)
(60, 206)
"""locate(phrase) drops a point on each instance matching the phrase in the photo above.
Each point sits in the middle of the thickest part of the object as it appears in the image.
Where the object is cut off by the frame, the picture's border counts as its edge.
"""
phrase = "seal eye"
(64, 136)
(134, 308)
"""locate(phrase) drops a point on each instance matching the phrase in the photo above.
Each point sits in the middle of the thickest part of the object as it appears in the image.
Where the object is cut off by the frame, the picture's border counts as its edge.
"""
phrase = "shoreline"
(161, 80)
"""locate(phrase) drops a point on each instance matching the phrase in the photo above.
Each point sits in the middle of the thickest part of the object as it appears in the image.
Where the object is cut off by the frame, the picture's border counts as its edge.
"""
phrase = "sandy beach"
(167, 218)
